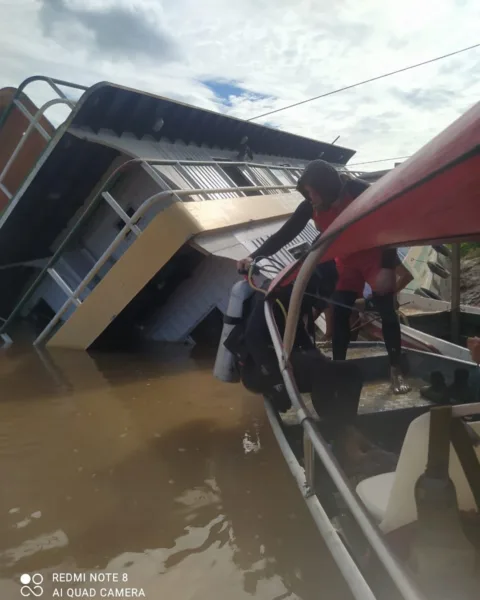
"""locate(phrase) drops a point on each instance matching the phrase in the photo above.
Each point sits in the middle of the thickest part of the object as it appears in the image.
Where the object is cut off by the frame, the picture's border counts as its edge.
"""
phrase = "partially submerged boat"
(426, 324)
(414, 532)
(122, 224)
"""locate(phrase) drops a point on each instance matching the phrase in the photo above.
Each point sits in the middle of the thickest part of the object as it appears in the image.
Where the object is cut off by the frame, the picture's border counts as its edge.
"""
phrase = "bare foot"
(399, 385)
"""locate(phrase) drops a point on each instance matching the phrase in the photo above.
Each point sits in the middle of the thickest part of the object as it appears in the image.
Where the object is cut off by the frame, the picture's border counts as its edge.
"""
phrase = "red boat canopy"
(433, 197)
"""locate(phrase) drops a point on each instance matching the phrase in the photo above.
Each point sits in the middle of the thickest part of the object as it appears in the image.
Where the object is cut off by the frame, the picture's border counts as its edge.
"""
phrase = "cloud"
(426, 99)
(114, 30)
(248, 57)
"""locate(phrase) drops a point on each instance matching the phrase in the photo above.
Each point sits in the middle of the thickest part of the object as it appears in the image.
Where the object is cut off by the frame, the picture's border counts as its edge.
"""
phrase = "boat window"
(263, 176)
(209, 176)
(285, 176)
(172, 177)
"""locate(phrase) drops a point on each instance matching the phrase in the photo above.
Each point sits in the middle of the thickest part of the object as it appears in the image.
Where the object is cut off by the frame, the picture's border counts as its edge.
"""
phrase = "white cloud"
(281, 51)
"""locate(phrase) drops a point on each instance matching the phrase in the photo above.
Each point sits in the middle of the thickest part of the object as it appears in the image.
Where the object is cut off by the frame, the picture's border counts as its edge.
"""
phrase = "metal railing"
(34, 124)
(396, 572)
(53, 83)
(346, 564)
(34, 120)
(130, 224)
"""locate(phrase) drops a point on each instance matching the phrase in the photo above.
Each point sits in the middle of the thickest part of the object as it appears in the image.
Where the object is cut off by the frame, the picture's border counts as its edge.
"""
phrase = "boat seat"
(389, 497)
(374, 492)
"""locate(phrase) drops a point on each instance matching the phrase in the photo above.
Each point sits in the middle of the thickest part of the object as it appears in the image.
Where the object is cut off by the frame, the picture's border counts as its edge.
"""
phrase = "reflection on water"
(147, 466)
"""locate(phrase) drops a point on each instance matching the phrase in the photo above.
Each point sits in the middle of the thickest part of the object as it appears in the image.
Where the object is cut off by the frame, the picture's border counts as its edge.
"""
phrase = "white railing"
(130, 225)
(396, 572)
(34, 120)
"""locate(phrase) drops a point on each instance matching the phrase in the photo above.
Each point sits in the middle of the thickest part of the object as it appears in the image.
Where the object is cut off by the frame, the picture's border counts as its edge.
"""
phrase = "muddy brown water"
(148, 468)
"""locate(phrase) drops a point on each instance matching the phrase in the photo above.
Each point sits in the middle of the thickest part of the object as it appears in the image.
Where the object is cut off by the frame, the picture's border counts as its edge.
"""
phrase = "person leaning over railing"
(327, 193)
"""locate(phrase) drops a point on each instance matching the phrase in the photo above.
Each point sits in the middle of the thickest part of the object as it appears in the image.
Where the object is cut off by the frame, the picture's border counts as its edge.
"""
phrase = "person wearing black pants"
(384, 305)
(327, 193)
(334, 385)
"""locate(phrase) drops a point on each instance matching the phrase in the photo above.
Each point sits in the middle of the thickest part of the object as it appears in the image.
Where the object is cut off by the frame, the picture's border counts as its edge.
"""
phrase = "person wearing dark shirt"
(327, 194)
(334, 386)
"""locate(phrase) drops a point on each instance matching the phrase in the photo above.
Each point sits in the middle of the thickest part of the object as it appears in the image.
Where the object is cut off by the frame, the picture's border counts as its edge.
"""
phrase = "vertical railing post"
(455, 294)
(309, 464)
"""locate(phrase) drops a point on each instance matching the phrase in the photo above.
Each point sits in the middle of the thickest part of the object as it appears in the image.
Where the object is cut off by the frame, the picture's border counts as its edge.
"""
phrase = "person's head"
(321, 184)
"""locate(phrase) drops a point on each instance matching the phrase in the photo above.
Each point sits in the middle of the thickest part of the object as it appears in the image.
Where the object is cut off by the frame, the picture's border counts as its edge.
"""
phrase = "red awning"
(434, 196)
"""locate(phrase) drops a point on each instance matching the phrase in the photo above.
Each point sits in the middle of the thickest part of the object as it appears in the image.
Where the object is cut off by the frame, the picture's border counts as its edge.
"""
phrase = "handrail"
(220, 163)
(52, 82)
(346, 564)
(403, 583)
(33, 124)
(138, 214)
(299, 287)
(93, 205)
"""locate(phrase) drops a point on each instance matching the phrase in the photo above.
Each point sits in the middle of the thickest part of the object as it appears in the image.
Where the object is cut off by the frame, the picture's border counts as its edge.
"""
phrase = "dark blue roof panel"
(122, 109)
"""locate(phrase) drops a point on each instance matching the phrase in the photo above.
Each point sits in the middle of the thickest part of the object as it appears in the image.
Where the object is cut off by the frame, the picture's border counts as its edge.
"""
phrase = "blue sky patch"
(224, 89)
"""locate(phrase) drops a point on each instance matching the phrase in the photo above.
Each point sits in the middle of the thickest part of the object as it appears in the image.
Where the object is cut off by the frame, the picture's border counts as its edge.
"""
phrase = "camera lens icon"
(31, 585)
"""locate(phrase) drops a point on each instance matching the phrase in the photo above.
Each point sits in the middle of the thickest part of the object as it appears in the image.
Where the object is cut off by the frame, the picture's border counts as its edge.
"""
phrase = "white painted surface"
(192, 301)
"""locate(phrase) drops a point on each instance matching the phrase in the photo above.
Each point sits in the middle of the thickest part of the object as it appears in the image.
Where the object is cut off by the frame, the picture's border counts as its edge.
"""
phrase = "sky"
(247, 57)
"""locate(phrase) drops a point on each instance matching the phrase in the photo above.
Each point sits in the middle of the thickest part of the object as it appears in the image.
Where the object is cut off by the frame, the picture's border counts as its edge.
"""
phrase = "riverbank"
(470, 280)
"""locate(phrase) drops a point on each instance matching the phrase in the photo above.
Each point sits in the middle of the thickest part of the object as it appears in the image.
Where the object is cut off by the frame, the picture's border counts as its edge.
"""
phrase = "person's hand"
(385, 282)
(244, 264)
(473, 345)
(360, 304)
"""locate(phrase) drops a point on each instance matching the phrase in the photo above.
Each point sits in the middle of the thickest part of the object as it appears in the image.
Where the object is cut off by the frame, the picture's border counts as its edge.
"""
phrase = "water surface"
(148, 467)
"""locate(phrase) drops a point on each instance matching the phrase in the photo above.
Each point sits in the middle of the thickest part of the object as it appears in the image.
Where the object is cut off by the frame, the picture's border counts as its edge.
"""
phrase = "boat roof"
(121, 109)
(72, 165)
(432, 197)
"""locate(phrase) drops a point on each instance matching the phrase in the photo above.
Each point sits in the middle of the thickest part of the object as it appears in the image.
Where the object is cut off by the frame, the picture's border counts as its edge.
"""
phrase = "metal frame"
(34, 124)
(406, 587)
(347, 566)
(130, 223)
(33, 119)
(53, 83)
(455, 307)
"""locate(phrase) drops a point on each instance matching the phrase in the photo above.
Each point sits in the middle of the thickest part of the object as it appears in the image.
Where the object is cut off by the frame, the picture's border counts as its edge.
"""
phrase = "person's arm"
(288, 232)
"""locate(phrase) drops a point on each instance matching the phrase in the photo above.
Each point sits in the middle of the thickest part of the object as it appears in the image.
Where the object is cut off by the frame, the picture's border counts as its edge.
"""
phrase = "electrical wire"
(275, 261)
(353, 85)
(252, 267)
(371, 162)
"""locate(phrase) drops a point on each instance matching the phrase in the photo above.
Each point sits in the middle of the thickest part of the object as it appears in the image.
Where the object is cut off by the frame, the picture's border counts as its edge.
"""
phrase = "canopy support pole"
(455, 294)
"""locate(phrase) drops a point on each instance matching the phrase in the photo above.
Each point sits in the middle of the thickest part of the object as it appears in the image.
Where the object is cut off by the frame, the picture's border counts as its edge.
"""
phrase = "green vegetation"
(471, 249)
